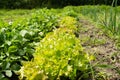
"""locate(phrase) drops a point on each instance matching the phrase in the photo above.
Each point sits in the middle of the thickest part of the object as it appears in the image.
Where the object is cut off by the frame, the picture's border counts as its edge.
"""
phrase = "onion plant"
(110, 21)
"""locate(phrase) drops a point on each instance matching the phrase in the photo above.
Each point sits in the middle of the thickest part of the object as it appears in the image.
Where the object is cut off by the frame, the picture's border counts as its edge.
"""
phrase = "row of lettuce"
(46, 41)
(59, 55)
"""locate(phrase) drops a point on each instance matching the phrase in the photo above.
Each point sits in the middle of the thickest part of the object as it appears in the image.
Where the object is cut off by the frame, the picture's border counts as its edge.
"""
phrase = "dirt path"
(107, 55)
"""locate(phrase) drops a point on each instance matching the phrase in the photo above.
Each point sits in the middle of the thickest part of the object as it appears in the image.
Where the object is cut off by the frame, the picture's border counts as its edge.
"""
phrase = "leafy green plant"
(110, 18)
(18, 40)
(68, 22)
(58, 55)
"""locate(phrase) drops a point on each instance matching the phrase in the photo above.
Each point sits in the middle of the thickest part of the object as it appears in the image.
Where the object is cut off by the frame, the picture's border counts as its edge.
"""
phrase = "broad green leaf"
(15, 66)
(8, 73)
(23, 32)
(8, 42)
(5, 65)
(12, 49)
(1, 76)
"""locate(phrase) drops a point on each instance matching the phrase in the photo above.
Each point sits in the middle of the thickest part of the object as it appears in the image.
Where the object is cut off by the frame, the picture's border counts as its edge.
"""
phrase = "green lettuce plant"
(57, 56)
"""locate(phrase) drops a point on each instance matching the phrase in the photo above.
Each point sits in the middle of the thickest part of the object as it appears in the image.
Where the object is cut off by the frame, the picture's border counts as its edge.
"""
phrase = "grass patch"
(12, 15)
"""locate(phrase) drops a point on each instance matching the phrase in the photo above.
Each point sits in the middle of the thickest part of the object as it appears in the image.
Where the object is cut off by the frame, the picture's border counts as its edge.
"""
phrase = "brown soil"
(107, 55)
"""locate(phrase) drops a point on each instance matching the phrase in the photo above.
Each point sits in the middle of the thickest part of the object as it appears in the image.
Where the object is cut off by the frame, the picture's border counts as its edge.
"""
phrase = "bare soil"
(107, 56)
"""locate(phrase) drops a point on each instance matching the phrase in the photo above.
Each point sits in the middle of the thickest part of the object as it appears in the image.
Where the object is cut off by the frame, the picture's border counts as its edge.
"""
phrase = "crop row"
(18, 40)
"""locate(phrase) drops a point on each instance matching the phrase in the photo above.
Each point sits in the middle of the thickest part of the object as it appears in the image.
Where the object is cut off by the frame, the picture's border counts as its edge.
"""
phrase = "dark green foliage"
(50, 3)
(19, 3)
(18, 40)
